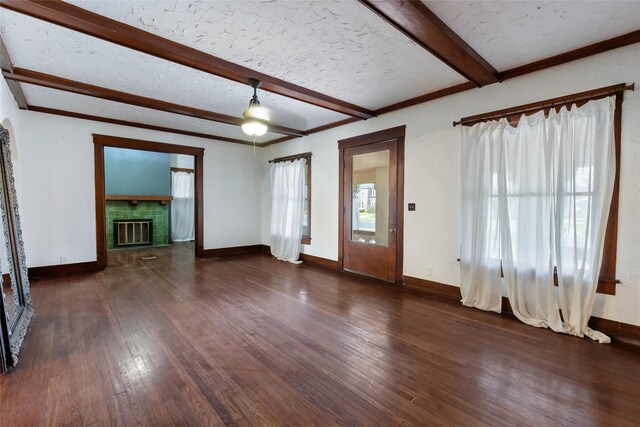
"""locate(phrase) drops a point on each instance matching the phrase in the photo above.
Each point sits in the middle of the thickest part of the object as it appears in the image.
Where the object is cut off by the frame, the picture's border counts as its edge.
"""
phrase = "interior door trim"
(102, 141)
(398, 134)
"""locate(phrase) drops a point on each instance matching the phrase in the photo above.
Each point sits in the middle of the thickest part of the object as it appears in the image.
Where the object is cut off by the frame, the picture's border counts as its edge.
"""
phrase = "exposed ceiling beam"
(59, 83)
(57, 112)
(84, 21)
(583, 52)
(14, 87)
(421, 25)
(600, 47)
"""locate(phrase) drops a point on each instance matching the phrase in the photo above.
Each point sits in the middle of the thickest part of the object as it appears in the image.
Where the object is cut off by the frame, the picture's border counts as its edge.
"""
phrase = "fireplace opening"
(132, 232)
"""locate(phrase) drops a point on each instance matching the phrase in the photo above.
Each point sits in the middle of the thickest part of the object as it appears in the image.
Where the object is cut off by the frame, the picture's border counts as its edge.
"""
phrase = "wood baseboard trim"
(435, 288)
(235, 250)
(63, 269)
(319, 261)
(622, 331)
(311, 259)
(618, 330)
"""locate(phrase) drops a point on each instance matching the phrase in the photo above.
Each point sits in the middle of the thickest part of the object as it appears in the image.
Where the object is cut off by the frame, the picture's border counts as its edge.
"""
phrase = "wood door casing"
(365, 258)
(101, 141)
(347, 147)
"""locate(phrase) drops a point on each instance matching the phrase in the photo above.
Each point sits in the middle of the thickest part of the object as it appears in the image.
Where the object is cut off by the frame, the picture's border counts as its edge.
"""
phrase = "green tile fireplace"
(159, 213)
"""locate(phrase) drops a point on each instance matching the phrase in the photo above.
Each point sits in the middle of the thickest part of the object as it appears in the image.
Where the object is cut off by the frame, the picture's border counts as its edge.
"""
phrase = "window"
(306, 221)
(364, 220)
(581, 196)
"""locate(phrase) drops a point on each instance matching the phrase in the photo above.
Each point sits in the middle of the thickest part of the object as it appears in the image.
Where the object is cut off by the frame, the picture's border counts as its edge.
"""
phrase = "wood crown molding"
(60, 83)
(572, 55)
(92, 24)
(462, 87)
(314, 130)
(7, 65)
(415, 20)
(82, 116)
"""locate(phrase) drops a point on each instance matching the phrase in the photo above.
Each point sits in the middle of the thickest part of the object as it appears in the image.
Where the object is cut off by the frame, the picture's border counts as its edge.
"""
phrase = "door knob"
(392, 230)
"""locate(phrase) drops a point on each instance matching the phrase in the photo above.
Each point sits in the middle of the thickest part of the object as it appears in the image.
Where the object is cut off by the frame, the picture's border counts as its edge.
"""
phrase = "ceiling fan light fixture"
(254, 127)
(255, 122)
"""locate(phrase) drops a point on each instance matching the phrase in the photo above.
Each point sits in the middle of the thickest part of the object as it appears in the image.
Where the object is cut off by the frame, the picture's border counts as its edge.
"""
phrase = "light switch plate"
(412, 206)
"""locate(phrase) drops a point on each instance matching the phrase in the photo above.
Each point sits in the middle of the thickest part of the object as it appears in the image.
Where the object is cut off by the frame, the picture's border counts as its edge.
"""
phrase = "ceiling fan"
(256, 118)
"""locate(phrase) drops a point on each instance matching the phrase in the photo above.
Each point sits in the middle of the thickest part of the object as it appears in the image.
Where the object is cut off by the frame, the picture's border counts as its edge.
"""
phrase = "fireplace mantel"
(135, 199)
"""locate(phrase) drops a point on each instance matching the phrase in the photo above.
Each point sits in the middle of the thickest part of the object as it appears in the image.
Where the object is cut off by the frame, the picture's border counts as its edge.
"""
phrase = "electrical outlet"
(63, 259)
(429, 271)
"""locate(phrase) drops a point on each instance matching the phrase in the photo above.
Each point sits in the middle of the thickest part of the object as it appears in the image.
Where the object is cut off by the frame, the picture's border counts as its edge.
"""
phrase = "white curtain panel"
(182, 207)
(480, 250)
(287, 209)
(536, 198)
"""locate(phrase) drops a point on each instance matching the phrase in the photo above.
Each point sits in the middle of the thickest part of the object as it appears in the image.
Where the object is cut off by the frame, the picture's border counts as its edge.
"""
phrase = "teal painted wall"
(137, 172)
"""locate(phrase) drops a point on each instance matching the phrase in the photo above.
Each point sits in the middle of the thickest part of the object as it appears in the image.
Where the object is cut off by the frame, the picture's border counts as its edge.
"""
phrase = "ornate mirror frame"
(13, 330)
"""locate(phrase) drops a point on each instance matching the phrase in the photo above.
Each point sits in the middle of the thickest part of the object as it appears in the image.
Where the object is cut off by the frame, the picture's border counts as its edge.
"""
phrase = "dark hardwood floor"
(249, 340)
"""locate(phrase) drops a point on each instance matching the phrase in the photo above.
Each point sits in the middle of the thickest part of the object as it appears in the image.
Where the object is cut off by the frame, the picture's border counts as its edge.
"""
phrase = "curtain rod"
(293, 157)
(549, 103)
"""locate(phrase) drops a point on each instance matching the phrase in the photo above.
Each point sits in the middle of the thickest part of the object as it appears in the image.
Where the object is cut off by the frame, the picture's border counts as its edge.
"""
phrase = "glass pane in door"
(370, 198)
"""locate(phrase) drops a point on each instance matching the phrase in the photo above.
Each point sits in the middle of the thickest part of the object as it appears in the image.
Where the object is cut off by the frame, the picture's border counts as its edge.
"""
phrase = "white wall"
(432, 172)
(182, 161)
(57, 201)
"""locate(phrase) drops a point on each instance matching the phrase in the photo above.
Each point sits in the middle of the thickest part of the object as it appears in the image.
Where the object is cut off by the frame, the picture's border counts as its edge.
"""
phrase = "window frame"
(306, 237)
(607, 278)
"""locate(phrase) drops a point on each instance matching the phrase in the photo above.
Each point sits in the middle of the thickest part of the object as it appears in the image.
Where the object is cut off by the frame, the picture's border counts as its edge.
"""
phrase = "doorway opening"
(371, 200)
(136, 185)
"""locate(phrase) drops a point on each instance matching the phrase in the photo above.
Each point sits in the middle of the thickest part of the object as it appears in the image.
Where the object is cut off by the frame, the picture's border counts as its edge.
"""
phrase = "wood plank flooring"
(249, 340)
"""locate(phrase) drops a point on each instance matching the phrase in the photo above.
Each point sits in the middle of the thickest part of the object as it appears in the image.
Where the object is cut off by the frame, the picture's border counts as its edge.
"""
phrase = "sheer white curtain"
(536, 198)
(182, 207)
(287, 209)
(480, 249)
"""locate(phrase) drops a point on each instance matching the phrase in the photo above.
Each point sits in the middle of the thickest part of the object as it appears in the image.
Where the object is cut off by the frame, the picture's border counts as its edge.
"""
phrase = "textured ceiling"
(51, 49)
(338, 48)
(512, 33)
